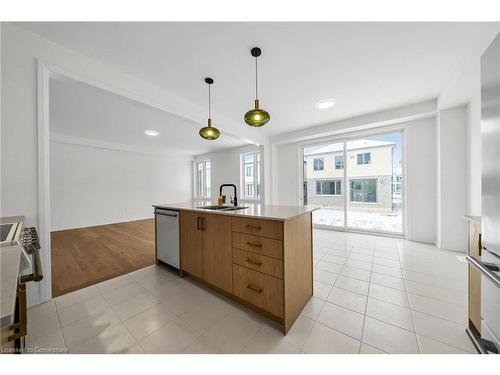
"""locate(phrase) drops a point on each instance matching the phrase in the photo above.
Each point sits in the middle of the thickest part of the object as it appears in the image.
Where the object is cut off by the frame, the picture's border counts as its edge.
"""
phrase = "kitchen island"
(260, 256)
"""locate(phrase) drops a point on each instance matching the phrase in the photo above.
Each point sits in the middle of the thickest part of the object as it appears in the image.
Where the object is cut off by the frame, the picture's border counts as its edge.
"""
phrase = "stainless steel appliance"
(167, 237)
(9, 233)
(489, 265)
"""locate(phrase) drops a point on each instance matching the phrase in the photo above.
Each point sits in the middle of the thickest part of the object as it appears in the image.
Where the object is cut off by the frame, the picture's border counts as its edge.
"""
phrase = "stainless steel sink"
(234, 208)
(223, 208)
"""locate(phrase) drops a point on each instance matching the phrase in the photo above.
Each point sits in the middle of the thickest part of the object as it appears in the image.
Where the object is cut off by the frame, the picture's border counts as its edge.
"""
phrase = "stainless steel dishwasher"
(167, 237)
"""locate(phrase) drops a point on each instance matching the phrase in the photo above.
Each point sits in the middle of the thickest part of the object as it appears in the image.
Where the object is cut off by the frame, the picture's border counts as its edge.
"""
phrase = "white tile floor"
(371, 295)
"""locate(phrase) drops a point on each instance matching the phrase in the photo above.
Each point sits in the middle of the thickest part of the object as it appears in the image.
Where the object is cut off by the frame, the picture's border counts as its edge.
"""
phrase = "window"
(364, 190)
(318, 164)
(250, 175)
(339, 162)
(203, 185)
(249, 171)
(364, 158)
(328, 187)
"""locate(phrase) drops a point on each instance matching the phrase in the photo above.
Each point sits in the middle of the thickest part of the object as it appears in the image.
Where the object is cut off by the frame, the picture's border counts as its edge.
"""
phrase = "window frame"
(365, 160)
(206, 180)
(362, 192)
(257, 178)
(322, 160)
(336, 181)
(341, 161)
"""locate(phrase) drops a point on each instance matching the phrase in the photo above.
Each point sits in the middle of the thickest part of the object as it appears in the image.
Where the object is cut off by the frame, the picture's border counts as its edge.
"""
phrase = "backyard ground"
(381, 221)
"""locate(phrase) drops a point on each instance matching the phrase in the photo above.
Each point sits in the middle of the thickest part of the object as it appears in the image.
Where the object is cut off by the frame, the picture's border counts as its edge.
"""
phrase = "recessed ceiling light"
(152, 133)
(327, 103)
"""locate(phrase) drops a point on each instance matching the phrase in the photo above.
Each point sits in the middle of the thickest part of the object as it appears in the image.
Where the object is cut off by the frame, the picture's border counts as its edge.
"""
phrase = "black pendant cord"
(209, 113)
(256, 86)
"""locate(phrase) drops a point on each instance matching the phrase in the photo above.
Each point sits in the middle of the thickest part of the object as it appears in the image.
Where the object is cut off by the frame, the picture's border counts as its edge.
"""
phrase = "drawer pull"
(255, 227)
(254, 288)
(254, 244)
(256, 262)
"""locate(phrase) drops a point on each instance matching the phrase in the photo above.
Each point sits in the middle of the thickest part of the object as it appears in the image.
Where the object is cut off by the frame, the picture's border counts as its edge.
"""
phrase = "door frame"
(348, 136)
(45, 70)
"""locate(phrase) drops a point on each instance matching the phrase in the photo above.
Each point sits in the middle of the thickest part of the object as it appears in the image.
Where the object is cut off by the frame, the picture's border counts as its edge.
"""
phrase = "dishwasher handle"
(167, 213)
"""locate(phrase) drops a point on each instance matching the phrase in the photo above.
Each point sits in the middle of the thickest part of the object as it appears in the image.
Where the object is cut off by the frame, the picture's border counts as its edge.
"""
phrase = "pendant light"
(209, 132)
(256, 117)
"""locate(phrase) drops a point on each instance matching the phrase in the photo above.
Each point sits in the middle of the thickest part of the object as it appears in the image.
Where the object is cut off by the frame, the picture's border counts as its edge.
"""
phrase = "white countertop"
(254, 210)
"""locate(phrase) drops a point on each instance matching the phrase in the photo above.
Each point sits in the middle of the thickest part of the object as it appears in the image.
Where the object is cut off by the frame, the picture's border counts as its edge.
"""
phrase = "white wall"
(420, 144)
(95, 186)
(19, 156)
(225, 169)
(286, 178)
(452, 178)
(421, 185)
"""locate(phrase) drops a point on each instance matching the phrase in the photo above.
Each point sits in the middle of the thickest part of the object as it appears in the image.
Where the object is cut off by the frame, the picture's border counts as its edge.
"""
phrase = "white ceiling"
(366, 67)
(81, 110)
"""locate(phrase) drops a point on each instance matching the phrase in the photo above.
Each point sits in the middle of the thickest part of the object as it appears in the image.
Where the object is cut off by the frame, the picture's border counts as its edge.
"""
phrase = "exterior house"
(369, 175)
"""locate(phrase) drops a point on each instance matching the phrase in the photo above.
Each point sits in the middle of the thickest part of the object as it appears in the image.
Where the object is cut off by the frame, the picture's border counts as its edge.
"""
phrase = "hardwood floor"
(87, 256)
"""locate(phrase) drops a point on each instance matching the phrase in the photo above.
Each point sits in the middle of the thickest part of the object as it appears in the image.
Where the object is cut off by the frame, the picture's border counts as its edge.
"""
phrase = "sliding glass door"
(357, 182)
(324, 182)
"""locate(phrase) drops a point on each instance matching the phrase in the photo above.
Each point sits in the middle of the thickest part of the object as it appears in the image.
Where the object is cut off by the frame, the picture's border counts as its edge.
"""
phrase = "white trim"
(386, 118)
(195, 174)
(87, 142)
(257, 155)
(404, 185)
(45, 286)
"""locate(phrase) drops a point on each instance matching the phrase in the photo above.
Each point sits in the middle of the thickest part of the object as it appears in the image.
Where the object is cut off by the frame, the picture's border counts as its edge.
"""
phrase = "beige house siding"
(381, 163)
(380, 168)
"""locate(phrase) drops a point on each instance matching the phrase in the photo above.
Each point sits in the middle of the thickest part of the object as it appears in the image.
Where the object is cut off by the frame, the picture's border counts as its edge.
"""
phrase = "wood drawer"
(260, 245)
(259, 289)
(257, 262)
(258, 227)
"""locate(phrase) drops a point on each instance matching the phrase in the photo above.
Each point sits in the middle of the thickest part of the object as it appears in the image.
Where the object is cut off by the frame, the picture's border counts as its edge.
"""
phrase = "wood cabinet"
(258, 227)
(474, 297)
(191, 242)
(263, 264)
(217, 253)
(257, 262)
(206, 253)
(259, 289)
(260, 245)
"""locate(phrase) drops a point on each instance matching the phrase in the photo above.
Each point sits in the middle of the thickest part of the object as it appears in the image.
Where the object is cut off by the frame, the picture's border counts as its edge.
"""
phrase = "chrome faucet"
(235, 200)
